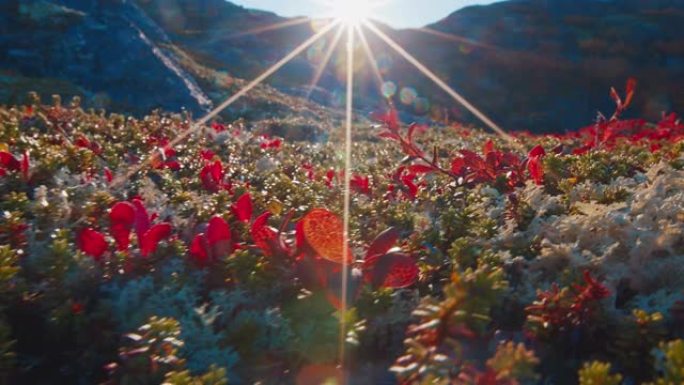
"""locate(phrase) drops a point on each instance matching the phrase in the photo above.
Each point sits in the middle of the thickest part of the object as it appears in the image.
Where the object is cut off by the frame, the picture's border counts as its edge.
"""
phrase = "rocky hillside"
(545, 65)
(138, 56)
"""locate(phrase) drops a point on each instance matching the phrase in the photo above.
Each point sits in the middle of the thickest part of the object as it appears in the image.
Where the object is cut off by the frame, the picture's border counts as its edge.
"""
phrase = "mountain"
(547, 65)
(542, 65)
(136, 56)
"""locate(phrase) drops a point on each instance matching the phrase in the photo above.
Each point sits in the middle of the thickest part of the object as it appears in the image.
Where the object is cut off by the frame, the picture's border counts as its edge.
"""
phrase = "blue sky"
(399, 14)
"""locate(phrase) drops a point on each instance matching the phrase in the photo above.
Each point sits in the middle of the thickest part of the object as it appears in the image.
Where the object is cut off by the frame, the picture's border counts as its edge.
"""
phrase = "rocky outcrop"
(100, 46)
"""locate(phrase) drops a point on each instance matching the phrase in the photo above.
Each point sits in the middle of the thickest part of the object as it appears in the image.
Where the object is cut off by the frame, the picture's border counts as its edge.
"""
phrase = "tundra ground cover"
(556, 260)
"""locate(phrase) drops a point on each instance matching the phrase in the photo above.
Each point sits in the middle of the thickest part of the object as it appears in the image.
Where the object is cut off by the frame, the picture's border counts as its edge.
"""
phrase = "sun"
(352, 12)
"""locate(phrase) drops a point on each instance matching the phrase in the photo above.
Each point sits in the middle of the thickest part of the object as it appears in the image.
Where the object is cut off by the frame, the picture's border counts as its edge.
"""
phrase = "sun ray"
(213, 113)
(270, 27)
(441, 84)
(371, 58)
(326, 59)
(347, 187)
(519, 55)
(454, 38)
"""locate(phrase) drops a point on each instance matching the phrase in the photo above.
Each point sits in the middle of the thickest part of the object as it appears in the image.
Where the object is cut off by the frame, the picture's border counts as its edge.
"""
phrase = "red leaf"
(142, 219)
(8, 161)
(361, 184)
(173, 165)
(329, 177)
(324, 232)
(109, 177)
(389, 119)
(211, 176)
(218, 236)
(407, 180)
(421, 169)
(25, 165)
(217, 171)
(457, 165)
(82, 142)
(413, 128)
(630, 89)
(394, 270)
(472, 160)
(218, 127)
(536, 168)
(207, 154)
(264, 236)
(122, 218)
(199, 249)
(616, 97)
(150, 240)
(488, 147)
(92, 242)
(537, 151)
(383, 242)
(243, 208)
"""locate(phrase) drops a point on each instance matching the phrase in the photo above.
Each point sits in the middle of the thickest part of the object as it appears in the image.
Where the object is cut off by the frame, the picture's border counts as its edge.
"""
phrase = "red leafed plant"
(559, 311)
(213, 244)
(266, 237)
(606, 133)
(384, 266)
(92, 242)
(361, 184)
(166, 159)
(495, 164)
(8, 163)
(322, 236)
(126, 216)
(242, 208)
(324, 233)
(83, 142)
(318, 254)
(268, 143)
(468, 166)
(212, 177)
(535, 164)
(622, 104)
(406, 181)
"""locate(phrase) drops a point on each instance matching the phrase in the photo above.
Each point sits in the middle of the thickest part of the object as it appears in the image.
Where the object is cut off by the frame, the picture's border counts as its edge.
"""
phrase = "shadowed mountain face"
(548, 64)
(543, 65)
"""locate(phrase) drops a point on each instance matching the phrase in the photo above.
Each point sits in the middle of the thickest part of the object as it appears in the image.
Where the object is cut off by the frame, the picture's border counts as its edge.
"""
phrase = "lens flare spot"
(388, 89)
(421, 105)
(465, 49)
(408, 95)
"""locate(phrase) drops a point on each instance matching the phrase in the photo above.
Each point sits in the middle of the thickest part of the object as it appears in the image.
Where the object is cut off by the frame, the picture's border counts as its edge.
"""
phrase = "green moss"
(598, 373)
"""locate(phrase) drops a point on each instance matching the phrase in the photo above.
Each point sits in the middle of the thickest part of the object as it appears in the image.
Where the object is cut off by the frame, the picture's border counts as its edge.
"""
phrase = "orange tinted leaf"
(421, 169)
(393, 270)
(488, 147)
(615, 96)
(264, 236)
(383, 242)
(319, 374)
(631, 87)
(324, 232)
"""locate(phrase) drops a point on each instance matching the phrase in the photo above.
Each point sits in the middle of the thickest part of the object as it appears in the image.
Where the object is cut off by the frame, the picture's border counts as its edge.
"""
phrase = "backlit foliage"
(471, 260)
